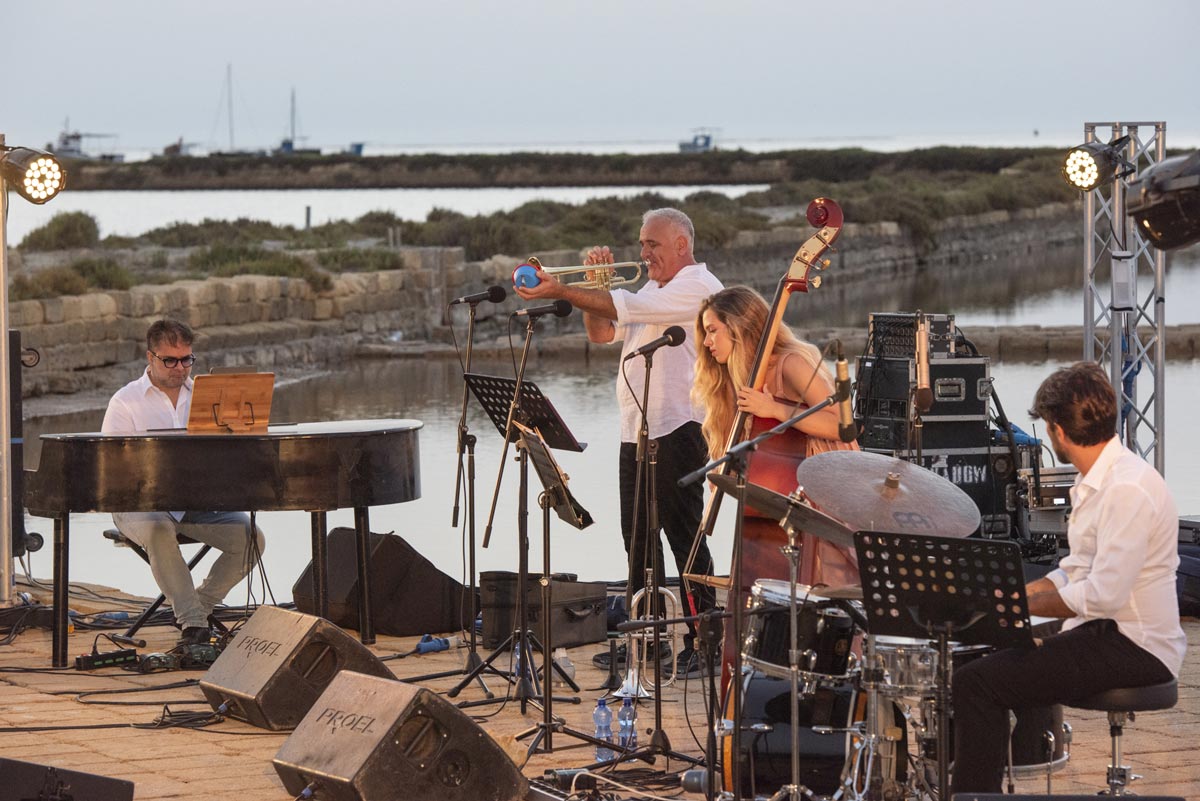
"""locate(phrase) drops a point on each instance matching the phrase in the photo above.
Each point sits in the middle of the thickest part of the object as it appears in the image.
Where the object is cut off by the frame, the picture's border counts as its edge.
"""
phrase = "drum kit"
(829, 709)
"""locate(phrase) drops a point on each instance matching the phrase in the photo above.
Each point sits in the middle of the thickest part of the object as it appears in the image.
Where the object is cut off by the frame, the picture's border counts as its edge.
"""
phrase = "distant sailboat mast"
(229, 98)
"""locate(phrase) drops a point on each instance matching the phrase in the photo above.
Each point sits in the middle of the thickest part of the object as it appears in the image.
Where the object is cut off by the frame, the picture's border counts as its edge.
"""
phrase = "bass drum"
(826, 759)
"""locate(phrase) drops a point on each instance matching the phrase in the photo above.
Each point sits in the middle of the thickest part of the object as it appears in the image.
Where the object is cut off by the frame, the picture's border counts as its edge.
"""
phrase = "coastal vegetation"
(918, 190)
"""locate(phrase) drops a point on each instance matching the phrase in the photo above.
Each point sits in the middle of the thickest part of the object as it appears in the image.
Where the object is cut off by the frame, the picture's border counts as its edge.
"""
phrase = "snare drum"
(909, 666)
(822, 630)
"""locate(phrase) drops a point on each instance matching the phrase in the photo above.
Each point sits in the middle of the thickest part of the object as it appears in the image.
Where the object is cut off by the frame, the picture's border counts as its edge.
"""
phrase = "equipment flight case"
(578, 614)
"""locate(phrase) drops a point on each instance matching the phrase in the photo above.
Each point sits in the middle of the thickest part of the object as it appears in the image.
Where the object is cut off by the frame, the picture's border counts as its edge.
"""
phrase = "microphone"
(847, 430)
(923, 399)
(494, 294)
(671, 337)
(559, 308)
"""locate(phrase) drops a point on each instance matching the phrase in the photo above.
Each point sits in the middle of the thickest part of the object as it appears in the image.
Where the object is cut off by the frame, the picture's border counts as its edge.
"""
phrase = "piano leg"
(362, 532)
(62, 590)
(320, 556)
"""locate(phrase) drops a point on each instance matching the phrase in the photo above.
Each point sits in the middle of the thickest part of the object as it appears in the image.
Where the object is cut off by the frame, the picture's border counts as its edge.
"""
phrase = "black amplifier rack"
(894, 335)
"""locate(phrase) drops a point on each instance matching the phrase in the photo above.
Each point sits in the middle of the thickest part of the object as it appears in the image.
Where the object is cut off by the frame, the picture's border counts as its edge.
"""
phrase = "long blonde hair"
(744, 313)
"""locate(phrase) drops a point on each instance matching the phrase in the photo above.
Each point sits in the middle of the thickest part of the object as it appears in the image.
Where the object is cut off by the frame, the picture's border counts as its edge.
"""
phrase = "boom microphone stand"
(647, 471)
(525, 402)
(466, 446)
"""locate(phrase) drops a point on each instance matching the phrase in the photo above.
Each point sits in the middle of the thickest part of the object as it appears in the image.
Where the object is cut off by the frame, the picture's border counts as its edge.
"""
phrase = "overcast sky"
(390, 72)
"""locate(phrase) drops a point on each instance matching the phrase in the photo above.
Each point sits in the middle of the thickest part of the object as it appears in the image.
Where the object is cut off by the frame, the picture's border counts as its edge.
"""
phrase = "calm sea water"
(431, 392)
(134, 213)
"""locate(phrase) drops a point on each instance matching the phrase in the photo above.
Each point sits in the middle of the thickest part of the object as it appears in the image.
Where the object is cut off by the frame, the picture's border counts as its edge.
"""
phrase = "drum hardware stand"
(795, 790)
(961, 606)
(737, 458)
(466, 444)
(525, 401)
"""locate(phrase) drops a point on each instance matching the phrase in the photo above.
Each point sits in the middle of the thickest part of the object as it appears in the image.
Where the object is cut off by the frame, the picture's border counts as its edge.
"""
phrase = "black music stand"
(556, 496)
(967, 590)
(531, 409)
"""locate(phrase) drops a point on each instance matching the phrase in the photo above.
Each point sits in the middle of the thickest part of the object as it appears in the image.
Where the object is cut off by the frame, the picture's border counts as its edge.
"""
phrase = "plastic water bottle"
(602, 717)
(568, 667)
(627, 725)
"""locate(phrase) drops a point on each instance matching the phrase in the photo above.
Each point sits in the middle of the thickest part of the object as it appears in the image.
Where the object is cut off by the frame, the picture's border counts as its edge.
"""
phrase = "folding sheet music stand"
(966, 590)
(534, 410)
(531, 412)
(558, 497)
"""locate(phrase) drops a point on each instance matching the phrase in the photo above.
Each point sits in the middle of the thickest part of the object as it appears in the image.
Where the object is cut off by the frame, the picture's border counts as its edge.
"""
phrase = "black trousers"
(1068, 666)
(679, 511)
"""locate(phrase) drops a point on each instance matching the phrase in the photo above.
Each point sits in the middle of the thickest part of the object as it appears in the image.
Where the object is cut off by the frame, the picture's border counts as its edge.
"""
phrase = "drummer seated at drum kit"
(1116, 589)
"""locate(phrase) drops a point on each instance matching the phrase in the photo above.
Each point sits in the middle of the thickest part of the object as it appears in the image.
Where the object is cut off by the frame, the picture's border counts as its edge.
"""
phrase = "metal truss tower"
(1133, 312)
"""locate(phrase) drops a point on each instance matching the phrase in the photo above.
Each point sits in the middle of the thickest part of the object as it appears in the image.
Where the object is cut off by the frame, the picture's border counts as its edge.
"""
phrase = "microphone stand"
(466, 445)
(647, 451)
(524, 677)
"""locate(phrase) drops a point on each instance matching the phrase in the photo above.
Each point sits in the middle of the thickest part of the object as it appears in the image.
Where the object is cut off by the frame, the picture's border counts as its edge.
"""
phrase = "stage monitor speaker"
(26, 781)
(408, 594)
(368, 739)
(278, 664)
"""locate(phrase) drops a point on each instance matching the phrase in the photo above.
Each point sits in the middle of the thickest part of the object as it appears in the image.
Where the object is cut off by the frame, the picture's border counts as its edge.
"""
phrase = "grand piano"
(312, 467)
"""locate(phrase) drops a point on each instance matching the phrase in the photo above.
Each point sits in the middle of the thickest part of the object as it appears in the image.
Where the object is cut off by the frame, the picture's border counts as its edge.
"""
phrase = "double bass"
(774, 464)
(756, 549)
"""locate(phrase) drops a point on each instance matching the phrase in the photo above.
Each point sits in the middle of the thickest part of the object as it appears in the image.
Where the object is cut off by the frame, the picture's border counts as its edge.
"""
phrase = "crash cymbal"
(873, 492)
(789, 512)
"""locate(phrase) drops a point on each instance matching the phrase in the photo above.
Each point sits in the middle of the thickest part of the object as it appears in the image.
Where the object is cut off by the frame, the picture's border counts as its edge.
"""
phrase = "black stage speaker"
(278, 664)
(408, 594)
(369, 739)
(1020, 797)
(20, 781)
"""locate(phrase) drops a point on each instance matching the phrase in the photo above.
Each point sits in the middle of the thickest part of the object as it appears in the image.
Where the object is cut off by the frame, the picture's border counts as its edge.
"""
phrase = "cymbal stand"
(466, 446)
(795, 790)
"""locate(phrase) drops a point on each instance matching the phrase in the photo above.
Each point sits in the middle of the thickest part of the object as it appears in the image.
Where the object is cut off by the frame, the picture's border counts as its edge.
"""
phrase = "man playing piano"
(160, 399)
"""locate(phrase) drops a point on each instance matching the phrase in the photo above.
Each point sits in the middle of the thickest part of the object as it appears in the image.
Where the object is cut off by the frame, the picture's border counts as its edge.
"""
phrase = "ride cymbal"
(873, 492)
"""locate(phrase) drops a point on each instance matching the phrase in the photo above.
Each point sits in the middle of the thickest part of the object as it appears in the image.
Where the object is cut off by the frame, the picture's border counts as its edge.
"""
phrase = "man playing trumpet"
(672, 295)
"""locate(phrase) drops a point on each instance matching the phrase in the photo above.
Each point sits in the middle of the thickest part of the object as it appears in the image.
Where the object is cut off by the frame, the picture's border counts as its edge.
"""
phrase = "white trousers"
(228, 532)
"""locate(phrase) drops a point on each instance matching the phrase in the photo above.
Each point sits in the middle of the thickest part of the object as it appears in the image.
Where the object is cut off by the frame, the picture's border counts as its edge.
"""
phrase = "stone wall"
(97, 340)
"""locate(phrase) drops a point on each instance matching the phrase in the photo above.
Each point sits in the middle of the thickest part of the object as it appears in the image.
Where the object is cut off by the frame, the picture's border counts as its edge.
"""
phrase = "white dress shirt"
(643, 316)
(141, 406)
(1123, 534)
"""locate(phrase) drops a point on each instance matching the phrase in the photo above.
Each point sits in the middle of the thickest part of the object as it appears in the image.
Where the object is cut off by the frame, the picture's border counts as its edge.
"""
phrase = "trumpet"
(602, 276)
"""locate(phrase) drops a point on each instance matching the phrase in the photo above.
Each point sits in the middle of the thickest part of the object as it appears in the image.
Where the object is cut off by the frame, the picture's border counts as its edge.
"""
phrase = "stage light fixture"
(1094, 163)
(36, 175)
(1164, 200)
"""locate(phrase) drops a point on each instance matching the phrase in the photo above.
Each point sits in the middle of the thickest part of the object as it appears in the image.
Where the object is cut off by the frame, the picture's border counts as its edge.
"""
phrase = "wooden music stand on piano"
(231, 403)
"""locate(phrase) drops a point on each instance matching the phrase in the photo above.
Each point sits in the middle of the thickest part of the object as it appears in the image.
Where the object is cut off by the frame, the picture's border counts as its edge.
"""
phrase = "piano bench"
(121, 541)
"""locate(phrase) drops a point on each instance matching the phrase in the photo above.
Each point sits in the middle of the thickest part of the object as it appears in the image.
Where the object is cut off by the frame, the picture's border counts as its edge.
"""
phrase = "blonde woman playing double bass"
(729, 328)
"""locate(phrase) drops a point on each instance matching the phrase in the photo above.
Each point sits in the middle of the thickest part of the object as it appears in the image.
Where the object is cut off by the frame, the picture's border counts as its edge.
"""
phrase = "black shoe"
(690, 664)
(196, 635)
(603, 660)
